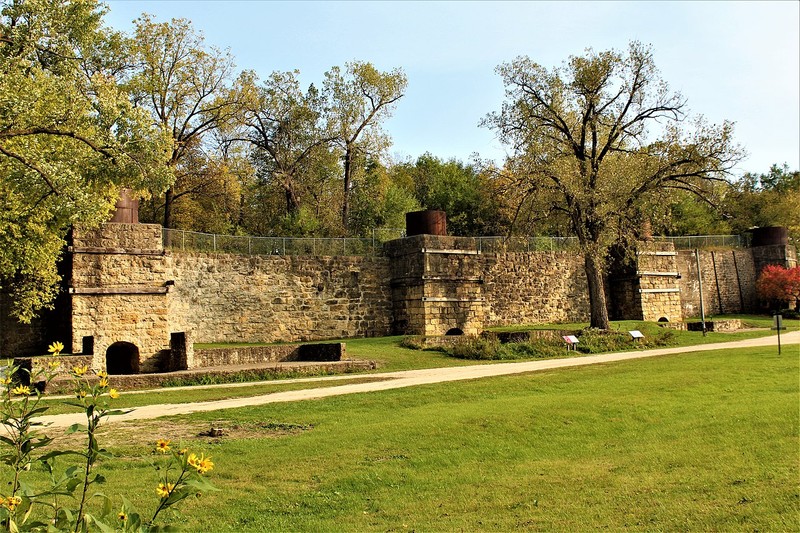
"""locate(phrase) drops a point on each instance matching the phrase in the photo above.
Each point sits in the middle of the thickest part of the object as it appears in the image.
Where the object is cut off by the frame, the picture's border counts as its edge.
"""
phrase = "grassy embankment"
(700, 441)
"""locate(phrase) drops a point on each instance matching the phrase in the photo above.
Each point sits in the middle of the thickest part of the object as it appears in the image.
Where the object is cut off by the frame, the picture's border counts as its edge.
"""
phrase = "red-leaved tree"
(779, 284)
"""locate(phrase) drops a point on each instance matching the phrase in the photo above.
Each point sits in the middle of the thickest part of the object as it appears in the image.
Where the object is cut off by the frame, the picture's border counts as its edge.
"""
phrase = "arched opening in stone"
(663, 319)
(454, 331)
(122, 358)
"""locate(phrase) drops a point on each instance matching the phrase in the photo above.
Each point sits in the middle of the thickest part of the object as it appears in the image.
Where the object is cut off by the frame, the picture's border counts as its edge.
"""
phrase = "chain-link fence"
(192, 241)
(707, 241)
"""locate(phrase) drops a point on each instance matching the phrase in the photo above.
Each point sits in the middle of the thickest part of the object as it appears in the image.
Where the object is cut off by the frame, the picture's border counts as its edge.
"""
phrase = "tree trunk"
(348, 169)
(598, 307)
(169, 197)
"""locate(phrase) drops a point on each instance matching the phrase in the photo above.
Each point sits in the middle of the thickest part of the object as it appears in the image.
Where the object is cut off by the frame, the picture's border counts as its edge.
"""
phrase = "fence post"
(214, 239)
(183, 241)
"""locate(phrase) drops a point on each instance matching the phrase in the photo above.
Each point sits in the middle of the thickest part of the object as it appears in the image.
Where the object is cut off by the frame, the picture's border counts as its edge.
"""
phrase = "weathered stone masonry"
(140, 308)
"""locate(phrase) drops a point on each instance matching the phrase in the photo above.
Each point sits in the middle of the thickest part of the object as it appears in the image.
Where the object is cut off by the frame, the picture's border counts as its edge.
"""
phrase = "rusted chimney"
(429, 222)
(127, 208)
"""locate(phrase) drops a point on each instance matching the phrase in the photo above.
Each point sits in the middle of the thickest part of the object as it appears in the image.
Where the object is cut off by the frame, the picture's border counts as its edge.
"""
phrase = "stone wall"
(535, 287)
(135, 301)
(445, 284)
(232, 298)
(118, 293)
(728, 279)
(248, 355)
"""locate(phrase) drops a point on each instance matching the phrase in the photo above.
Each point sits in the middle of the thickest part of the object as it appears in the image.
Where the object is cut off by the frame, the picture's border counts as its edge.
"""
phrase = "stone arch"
(663, 319)
(455, 331)
(122, 358)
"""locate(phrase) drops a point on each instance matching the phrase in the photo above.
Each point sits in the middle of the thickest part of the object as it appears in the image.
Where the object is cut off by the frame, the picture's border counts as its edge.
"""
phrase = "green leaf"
(51, 455)
(200, 484)
(74, 428)
(116, 412)
(34, 412)
(91, 519)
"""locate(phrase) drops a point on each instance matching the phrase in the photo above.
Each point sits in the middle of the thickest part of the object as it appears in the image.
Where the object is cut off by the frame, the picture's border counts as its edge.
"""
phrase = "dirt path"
(410, 378)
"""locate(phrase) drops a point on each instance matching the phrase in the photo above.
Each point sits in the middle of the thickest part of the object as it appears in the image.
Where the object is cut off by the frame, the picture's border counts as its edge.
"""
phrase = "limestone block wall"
(536, 287)
(444, 283)
(225, 297)
(659, 292)
(436, 285)
(117, 288)
(728, 279)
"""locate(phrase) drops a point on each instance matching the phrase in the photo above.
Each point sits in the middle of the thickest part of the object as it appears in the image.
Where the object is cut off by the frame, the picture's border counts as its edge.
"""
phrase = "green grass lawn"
(701, 441)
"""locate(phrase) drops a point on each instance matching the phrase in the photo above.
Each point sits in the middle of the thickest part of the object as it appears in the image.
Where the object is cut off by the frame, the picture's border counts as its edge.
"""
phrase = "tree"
(779, 285)
(595, 138)
(378, 202)
(359, 99)
(189, 92)
(285, 130)
(69, 138)
(459, 189)
(770, 199)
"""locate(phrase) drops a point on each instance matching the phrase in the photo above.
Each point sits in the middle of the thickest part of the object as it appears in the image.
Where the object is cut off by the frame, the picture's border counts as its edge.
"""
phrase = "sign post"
(777, 321)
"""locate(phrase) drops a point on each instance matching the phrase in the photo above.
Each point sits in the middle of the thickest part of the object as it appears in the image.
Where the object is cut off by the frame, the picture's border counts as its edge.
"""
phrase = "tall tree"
(359, 99)
(595, 137)
(284, 127)
(69, 138)
(189, 91)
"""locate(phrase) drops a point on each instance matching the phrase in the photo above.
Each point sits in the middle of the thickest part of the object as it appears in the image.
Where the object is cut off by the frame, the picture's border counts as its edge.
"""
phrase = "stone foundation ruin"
(135, 307)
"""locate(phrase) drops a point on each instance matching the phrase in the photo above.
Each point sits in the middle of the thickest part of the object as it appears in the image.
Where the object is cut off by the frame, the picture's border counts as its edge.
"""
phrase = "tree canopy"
(595, 138)
(69, 138)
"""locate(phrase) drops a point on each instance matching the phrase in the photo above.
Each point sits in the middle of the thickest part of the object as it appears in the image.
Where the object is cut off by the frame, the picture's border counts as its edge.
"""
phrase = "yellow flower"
(122, 516)
(7, 380)
(53, 365)
(205, 465)
(55, 348)
(113, 393)
(22, 390)
(78, 371)
(164, 490)
(81, 394)
(193, 460)
(202, 464)
(102, 374)
(103, 382)
(183, 451)
(162, 445)
(12, 502)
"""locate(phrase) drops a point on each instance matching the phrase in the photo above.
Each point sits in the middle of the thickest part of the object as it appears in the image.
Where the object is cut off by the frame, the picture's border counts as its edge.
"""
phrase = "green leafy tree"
(188, 89)
(69, 138)
(359, 98)
(769, 199)
(284, 127)
(462, 191)
(378, 202)
(595, 138)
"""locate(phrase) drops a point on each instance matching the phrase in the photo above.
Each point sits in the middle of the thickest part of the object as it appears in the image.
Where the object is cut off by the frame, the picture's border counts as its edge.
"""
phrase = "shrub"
(475, 348)
(780, 286)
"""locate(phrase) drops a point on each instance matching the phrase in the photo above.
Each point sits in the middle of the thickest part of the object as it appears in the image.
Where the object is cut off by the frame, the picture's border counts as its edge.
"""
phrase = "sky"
(736, 61)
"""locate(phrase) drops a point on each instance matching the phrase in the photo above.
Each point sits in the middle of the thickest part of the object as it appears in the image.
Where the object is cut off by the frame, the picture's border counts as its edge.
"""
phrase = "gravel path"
(410, 378)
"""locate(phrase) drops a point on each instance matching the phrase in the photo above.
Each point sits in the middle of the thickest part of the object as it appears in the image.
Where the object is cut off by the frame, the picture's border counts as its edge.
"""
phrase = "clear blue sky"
(738, 61)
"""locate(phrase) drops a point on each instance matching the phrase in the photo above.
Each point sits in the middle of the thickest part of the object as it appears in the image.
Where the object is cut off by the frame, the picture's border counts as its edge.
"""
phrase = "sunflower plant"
(67, 499)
